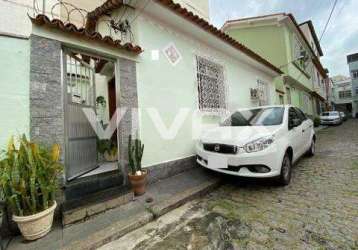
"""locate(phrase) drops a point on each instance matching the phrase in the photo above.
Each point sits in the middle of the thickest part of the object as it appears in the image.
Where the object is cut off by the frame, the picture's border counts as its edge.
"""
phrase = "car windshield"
(256, 117)
(330, 113)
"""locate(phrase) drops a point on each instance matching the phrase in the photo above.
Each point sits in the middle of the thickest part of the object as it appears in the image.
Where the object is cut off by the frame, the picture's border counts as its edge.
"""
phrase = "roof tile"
(70, 28)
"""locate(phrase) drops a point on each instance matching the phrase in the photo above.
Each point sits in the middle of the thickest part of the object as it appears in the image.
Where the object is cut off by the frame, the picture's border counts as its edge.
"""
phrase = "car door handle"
(303, 130)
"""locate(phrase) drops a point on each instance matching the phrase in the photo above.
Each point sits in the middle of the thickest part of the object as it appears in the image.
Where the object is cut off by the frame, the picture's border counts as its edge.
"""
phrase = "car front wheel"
(312, 149)
(286, 168)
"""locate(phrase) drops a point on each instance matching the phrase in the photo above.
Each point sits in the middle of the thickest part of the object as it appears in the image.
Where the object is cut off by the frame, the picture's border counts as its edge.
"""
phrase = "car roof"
(278, 106)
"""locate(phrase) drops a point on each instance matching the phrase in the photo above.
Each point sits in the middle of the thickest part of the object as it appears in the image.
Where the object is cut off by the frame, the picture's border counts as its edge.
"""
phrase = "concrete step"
(76, 211)
(160, 198)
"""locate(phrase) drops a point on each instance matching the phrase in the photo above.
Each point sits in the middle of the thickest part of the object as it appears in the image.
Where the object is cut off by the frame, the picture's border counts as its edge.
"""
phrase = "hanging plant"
(101, 101)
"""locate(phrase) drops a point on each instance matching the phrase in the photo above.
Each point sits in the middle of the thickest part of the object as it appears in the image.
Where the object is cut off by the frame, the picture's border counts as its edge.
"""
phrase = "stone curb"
(112, 233)
(121, 228)
(182, 198)
(85, 212)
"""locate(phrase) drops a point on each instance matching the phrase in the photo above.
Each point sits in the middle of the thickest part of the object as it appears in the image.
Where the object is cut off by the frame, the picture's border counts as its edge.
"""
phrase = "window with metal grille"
(79, 80)
(299, 54)
(306, 102)
(263, 92)
(354, 74)
(281, 100)
(211, 85)
(288, 94)
(345, 94)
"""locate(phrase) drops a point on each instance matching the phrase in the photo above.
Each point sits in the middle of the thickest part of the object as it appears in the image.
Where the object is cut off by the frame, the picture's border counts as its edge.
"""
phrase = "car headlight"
(259, 144)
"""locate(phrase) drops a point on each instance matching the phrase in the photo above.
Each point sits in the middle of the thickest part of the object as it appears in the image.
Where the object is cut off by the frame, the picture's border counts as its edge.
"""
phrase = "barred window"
(263, 89)
(354, 74)
(345, 94)
(288, 94)
(306, 102)
(299, 52)
(211, 85)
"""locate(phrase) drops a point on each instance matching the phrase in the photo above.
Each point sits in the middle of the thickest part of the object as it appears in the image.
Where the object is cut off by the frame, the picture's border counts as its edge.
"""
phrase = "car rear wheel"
(286, 168)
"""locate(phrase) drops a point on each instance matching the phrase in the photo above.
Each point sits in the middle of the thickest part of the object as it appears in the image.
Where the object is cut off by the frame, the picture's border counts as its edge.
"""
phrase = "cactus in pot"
(137, 176)
(28, 180)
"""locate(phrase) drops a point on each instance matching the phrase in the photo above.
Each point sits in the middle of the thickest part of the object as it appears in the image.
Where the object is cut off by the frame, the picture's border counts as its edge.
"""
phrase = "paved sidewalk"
(166, 195)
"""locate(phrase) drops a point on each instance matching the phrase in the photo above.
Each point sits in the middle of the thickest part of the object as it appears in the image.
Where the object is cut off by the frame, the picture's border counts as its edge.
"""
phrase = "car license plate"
(217, 161)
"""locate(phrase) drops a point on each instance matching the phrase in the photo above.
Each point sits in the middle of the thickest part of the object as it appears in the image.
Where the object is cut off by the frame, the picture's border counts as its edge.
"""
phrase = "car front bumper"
(330, 122)
(240, 164)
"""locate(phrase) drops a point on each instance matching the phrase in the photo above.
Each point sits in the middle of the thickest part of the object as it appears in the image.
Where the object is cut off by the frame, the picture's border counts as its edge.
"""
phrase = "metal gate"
(81, 139)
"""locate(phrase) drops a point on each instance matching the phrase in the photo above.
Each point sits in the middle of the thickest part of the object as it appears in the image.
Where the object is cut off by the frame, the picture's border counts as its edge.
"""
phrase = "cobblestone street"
(318, 210)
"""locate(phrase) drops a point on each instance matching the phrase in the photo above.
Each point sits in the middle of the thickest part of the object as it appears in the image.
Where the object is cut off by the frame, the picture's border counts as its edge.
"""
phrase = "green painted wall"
(267, 41)
(293, 71)
(169, 88)
(275, 43)
(14, 85)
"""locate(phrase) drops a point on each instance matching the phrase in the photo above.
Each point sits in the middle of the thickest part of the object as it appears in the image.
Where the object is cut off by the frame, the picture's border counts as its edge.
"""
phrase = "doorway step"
(94, 194)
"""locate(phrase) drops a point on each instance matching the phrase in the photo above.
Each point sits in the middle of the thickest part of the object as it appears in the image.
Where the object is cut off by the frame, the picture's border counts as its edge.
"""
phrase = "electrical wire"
(329, 19)
(340, 10)
(140, 11)
(124, 12)
(324, 30)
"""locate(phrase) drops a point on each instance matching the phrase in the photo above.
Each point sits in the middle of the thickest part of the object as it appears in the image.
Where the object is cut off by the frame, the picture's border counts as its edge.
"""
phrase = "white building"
(342, 94)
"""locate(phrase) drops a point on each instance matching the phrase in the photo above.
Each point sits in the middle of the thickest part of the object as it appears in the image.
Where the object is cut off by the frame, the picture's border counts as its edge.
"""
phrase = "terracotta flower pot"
(138, 182)
(35, 226)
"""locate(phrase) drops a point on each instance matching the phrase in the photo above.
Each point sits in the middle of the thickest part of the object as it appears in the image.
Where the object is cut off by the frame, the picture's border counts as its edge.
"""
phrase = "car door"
(295, 133)
(307, 126)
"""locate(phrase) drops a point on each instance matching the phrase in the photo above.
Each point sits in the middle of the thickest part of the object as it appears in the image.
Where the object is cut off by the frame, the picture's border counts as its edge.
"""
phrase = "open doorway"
(90, 83)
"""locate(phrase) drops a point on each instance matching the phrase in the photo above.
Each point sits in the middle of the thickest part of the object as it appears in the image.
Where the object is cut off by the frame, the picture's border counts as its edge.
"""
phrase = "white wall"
(169, 88)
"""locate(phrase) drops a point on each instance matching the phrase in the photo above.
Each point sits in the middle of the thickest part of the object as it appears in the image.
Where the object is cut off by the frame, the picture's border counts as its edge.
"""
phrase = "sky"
(339, 40)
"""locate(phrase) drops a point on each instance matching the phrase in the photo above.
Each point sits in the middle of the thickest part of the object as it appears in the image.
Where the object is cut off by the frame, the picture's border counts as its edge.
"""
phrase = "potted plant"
(28, 179)
(108, 149)
(137, 175)
(317, 121)
(101, 101)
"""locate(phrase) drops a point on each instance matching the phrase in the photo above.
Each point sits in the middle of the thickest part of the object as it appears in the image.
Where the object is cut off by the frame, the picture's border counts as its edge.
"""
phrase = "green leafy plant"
(135, 154)
(107, 146)
(317, 121)
(101, 101)
(104, 145)
(28, 176)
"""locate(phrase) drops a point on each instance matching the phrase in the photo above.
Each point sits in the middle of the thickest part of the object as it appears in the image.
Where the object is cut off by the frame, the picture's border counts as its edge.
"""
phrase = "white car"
(260, 142)
(331, 118)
